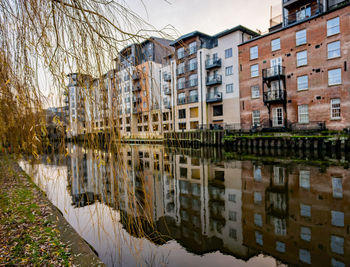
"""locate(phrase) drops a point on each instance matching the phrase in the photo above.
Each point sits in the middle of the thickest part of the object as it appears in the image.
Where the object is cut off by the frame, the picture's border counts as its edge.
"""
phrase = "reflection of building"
(296, 213)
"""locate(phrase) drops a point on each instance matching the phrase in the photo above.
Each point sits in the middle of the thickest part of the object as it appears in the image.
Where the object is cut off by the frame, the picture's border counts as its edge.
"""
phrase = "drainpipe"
(160, 102)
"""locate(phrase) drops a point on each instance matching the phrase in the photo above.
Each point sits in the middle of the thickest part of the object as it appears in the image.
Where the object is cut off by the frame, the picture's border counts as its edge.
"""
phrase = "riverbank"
(32, 230)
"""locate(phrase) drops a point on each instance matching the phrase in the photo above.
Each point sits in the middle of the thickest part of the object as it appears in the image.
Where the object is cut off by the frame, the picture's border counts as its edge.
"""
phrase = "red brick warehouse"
(297, 75)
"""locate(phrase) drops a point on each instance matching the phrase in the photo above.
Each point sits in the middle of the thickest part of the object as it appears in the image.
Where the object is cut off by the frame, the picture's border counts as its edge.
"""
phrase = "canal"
(148, 205)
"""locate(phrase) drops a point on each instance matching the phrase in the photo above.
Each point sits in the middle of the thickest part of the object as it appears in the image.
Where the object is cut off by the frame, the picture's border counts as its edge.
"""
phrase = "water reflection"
(296, 213)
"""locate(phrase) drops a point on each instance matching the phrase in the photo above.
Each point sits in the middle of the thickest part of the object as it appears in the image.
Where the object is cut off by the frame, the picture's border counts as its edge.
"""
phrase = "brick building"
(296, 76)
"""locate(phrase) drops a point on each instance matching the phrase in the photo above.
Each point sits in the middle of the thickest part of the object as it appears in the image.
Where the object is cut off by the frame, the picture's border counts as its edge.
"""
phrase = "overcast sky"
(208, 16)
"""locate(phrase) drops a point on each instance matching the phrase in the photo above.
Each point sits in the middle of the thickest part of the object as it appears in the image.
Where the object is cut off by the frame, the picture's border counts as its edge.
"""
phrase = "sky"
(208, 16)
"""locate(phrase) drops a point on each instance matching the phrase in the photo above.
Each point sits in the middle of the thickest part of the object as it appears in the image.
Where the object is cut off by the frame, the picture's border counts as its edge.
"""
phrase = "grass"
(27, 235)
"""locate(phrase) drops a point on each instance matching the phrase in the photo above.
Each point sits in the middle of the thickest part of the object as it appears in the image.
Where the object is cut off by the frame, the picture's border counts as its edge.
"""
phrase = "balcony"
(214, 80)
(136, 76)
(193, 99)
(212, 63)
(166, 76)
(212, 98)
(191, 83)
(187, 100)
(331, 4)
(302, 14)
(273, 73)
(275, 96)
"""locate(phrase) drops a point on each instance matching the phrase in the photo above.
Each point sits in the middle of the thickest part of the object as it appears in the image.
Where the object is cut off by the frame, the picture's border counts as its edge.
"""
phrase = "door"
(275, 63)
(277, 117)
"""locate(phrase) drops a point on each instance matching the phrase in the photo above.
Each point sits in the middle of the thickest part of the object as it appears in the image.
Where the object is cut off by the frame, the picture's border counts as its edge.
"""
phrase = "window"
(194, 112)
(232, 198)
(228, 53)
(305, 233)
(256, 117)
(254, 70)
(303, 83)
(304, 179)
(229, 71)
(258, 219)
(333, 26)
(300, 37)
(280, 246)
(336, 263)
(259, 238)
(337, 218)
(302, 58)
(304, 256)
(257, 197)
(303, 114)
(144, 104)
(305, 210)
(333, 49)
(180, 53)
(334, 77)
(182, 126)
(255, 91)
(276, 44)
(193, 64)
(193, 48)
(193, 96)
(229, 88)
(337, 187)
(217, 110)
(193, 80)
(257, 173)
(337, 244)
(335, 108)
(181, 83)
(233, 233)
(254, 53)
(181, 68)
(182, 113)
(232, 216)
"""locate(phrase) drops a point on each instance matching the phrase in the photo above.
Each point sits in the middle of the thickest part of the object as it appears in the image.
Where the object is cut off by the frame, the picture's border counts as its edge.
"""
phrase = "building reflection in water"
(296, 213)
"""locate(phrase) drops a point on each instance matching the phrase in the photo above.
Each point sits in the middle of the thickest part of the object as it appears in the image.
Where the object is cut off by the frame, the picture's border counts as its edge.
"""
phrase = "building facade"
(296, 76)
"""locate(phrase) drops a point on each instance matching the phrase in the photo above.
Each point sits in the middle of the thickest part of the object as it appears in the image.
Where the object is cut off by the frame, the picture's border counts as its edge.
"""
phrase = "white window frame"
(181, 53)
(333, 52)
(192, 48)
(256, 117)
(302, 39)
(303, 114)
(181, 81)
(302, 58)
(333, 29)
(254, 72)
(229, 88)
(335, 109)
(276, 44)
(228, 52)
(334, 80)
(229, 70)
(254, 52)
(255, 91)
(303, 84)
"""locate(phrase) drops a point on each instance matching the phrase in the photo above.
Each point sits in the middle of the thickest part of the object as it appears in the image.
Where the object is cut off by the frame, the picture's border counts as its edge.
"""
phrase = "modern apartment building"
(78, 86)
(207, 84)
(296, 76)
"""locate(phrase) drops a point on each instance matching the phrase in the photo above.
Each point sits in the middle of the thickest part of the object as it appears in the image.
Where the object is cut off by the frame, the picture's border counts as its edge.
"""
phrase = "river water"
(154, 206)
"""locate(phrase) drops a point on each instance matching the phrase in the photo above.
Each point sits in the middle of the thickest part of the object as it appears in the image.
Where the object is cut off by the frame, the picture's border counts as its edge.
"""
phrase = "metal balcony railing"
(167, 104)
(212, 63)
(274, 96)
(193, 99)
(214, 80)
(331, 4)
(273, 72)
(214, 97)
